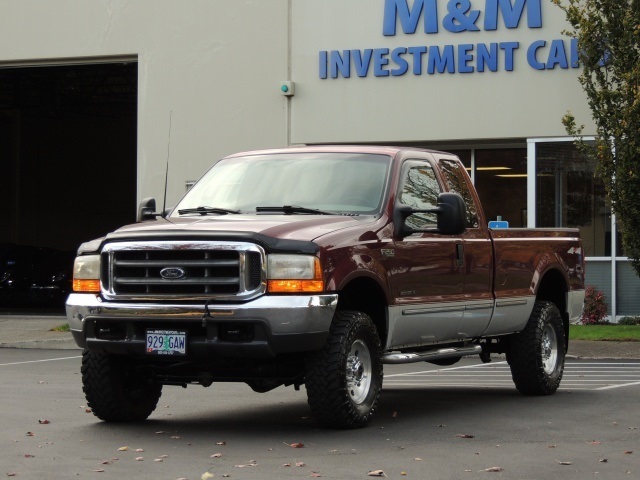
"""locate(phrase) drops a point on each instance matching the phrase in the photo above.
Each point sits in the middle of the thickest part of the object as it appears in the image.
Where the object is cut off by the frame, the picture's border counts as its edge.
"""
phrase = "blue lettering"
(379, 61)
(464, 57)
(487, 57)
(322, 60)
(417, 53)
(557, 55)
(399, 10)
(360, 62)
(511, 13)
(438, 62)
(338, 64)
(508, 48)
(460, 18)
(531, 54)
(403, 65)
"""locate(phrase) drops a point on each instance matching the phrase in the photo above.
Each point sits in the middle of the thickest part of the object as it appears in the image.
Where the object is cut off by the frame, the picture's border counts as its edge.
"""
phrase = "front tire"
(536, 355)
(114, 392)
(344, 379)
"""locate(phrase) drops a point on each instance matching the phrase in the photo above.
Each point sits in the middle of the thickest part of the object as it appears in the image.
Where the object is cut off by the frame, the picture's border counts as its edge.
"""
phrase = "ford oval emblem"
(172, 273)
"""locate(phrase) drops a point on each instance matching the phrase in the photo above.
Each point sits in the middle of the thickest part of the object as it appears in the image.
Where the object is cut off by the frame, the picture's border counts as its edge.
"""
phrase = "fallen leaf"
(493, 469)
(394, 415)
(628, 452)
(226, 475)
(87, 410)
(11, 474)
(418, 459)
(139, 450)
(297, 445)
(603, 460)
(216, 455)
(464, 435)
(28, 455)
(160, 432)
(99, 470)
(252, 463)
(301, 464)
(31, 434)
(595, 442)
(139, 459)
(442, 425)
(376, 473)
(286, 464)
(158, 459)
(564, 462)
(551, 446)
(221, 443)
(403, 473)
(315, 475)
(44, 422)
(123, 449)
(206, 476)
(334, 451)
(105, 462)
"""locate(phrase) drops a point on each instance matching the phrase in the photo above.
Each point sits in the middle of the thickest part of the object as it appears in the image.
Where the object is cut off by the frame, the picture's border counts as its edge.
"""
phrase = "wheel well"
(553, 288)
(365, 295)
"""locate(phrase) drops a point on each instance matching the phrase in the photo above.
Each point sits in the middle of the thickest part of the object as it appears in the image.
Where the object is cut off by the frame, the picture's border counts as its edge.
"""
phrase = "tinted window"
(456, 183)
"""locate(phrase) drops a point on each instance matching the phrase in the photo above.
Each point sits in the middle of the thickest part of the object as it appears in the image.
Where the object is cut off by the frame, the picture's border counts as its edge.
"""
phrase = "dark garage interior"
(67, 170)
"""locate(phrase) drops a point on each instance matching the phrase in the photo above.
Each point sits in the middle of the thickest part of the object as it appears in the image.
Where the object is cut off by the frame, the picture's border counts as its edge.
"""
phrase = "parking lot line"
(38, 361)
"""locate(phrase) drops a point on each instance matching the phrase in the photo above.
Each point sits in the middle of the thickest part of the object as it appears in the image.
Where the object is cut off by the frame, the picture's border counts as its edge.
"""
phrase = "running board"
(395, 358)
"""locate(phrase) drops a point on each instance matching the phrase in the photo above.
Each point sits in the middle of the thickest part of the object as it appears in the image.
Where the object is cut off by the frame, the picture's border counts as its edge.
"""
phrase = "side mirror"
(147, 210)
(450, 211)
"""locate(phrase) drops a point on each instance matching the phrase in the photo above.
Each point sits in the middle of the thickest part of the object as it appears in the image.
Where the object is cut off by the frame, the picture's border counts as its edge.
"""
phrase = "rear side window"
(456, 183)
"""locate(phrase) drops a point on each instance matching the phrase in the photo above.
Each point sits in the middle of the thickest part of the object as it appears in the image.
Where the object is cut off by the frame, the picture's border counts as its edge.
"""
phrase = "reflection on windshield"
(332, 182)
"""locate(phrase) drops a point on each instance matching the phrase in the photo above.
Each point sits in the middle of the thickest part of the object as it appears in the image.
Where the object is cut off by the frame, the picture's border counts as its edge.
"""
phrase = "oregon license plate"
(166, 342)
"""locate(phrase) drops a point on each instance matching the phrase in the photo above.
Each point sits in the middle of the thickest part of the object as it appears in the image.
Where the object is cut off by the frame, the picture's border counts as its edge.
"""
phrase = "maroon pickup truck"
(316, 266)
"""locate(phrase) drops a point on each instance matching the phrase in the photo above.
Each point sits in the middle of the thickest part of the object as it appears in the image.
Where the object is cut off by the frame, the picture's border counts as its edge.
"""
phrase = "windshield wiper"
(291, 209)
(206, 210)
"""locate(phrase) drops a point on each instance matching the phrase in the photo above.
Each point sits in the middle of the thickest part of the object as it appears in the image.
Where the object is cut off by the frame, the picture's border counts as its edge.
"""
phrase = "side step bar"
(395, 358)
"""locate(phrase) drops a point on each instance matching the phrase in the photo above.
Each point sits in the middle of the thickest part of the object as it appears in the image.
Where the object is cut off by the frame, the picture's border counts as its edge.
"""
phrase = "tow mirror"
(147, 210)
(450, 211)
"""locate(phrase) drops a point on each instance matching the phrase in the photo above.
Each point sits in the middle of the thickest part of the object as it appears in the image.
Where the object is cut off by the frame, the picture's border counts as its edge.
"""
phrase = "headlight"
(294, 273)
(86, 274)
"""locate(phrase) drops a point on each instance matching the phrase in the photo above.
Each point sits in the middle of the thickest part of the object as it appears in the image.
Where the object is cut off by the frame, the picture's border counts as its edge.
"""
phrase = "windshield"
(330, 182)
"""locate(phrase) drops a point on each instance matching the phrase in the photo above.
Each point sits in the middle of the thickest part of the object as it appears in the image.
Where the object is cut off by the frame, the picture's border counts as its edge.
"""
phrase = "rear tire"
(536, 355)
(344, 379)
(114, 392)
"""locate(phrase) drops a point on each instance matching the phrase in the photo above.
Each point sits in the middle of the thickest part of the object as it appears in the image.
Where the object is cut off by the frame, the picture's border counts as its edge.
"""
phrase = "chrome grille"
(182, 270)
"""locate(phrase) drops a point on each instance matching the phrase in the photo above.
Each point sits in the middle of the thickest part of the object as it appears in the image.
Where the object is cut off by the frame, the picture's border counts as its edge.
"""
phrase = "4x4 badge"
(172, 273)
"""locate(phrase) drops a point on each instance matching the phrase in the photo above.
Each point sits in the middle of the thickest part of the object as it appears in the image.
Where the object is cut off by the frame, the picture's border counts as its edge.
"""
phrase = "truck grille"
(182, 270)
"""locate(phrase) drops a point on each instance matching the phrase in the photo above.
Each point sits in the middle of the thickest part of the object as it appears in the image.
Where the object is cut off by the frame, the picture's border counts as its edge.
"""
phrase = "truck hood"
(285, 227)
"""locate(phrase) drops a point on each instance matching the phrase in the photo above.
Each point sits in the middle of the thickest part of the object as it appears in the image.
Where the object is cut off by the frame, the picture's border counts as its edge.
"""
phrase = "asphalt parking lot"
(463, 421)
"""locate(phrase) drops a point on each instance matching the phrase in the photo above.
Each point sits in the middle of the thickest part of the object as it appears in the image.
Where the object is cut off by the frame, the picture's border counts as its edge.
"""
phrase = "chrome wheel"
(549, 349)
(358, 372)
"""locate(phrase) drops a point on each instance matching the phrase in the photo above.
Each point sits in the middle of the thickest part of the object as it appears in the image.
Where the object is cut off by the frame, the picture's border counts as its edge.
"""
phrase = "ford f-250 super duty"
(316, 266)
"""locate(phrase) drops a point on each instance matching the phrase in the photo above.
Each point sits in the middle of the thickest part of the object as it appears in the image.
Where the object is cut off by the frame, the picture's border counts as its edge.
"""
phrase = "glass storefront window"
(501, 182)
(570, 194)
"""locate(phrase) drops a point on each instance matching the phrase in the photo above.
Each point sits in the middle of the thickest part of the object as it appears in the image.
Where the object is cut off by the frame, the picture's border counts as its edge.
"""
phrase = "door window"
(420, 190)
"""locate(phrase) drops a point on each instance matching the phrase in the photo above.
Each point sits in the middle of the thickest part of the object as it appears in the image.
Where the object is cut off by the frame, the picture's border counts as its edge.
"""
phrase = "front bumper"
(267, 326)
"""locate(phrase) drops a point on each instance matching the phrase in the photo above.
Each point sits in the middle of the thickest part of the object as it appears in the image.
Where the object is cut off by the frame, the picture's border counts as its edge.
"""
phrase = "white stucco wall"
(214, 66)
(503, 104)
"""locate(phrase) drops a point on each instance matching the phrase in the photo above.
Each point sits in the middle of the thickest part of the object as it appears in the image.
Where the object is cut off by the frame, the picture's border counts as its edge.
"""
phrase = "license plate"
(166, 342)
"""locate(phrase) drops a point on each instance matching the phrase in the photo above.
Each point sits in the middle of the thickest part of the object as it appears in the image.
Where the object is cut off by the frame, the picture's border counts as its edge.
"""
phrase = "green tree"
(608, 35)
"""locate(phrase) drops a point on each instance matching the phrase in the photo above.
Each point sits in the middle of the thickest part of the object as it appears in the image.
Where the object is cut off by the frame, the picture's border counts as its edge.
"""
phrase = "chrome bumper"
(294, 316)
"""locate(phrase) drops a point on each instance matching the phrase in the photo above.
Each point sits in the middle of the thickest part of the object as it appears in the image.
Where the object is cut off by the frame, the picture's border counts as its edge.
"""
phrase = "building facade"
(489, 80)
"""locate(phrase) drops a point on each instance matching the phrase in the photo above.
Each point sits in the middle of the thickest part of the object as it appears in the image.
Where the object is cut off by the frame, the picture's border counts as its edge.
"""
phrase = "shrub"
(629, 321)
(595, 306)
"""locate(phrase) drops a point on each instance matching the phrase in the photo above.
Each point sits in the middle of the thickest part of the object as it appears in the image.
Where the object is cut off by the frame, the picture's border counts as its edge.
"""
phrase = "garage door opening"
(67, 170)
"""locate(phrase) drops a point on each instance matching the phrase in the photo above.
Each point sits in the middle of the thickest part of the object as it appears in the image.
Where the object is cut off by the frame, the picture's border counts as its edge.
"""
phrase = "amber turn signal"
(295, 286)
(84, 285)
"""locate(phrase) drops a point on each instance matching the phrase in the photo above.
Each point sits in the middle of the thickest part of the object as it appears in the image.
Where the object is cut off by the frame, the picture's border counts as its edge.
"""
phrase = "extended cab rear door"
(477, 256)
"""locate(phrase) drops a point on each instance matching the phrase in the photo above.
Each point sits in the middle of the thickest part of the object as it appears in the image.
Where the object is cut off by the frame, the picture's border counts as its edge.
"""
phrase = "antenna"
(166, 173)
